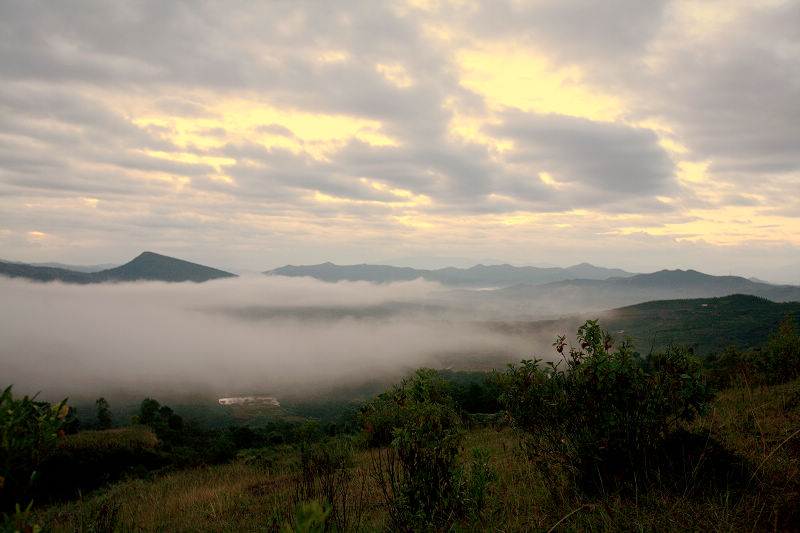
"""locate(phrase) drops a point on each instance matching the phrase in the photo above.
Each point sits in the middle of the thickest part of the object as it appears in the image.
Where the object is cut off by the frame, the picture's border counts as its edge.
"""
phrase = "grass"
(132, 437)
(758, 491)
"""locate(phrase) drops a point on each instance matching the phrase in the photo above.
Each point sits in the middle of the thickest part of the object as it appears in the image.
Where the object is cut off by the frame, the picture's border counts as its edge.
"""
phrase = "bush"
(601, 415)
(780, 359)
(28, 432)
(423, 485)
(92, 458)
(325, 475)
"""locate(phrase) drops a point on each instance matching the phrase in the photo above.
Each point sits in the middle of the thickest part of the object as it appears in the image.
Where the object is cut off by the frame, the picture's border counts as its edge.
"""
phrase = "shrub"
(780, 359)
(19, 520)
(28, 432)
(89, 459)
(732, 365)
(421, 481)
(601, 415)
(309, 517)
(325, 475)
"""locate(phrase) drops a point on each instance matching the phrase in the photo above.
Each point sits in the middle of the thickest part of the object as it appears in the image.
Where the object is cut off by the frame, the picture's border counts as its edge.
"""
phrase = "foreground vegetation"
(261, 493)
(603, 441)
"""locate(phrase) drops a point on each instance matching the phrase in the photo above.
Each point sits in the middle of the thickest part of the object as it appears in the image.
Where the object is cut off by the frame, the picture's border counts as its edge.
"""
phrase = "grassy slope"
(760, 425)
(708, 325)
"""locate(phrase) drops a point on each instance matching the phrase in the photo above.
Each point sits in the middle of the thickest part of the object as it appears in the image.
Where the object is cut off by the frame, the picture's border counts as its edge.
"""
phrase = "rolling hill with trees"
(570, 297)
(147, 266)
(706, 325)
(476, 276)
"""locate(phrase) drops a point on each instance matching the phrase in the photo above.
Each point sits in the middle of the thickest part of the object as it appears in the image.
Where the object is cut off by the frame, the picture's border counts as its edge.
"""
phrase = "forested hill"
(579, 296)
(151, 266)
(147, 266)
(707, 325)
(42, 273)
(476, 276)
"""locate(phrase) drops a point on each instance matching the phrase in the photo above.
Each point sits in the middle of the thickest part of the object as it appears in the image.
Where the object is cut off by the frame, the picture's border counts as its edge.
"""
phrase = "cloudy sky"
(246, 135)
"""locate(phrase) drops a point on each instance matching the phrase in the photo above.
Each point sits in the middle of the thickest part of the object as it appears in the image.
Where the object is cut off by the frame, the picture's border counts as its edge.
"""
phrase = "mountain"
(147, 266)
(332, 273)
(76, 268)
(707, 325)
(581, 295)
(156, 267)
(41, 273)
(476, 276)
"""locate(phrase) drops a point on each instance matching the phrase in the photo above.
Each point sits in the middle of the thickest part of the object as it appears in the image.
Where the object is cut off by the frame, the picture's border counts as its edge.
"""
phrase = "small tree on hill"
(599, 413)
(103, 413)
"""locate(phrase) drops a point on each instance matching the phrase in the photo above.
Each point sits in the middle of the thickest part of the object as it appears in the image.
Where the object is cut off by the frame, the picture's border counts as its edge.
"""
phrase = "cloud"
(248, 123)
(590, 157)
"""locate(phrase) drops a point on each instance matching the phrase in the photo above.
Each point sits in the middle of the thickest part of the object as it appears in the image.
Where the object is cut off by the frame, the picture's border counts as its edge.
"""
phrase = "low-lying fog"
(250, 335)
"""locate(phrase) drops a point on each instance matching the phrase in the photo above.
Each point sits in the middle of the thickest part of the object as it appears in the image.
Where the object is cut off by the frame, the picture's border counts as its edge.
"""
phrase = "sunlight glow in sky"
(639, 135)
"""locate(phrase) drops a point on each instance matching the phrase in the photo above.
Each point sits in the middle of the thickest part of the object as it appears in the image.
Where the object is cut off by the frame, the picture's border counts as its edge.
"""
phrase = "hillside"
(476, 276)
(147, 266)
(591, 296)
(707, 325)
(152, 266)
(41, 273)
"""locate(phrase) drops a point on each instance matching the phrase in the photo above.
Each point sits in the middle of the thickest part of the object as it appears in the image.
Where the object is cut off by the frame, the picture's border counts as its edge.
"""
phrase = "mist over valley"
(303, 335)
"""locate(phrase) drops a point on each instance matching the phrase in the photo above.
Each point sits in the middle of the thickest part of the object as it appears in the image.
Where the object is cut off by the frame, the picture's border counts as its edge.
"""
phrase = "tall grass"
(758, 426)
(131, 437)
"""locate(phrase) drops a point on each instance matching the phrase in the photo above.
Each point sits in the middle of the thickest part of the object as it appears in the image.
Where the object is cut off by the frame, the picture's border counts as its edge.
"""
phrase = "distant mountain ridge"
(63, 266)
(582, 295)
(708, 325)
(146, 266)
(476, 276)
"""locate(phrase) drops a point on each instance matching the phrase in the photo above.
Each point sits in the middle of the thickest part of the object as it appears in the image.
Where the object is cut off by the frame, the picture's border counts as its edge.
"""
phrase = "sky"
(248, 135)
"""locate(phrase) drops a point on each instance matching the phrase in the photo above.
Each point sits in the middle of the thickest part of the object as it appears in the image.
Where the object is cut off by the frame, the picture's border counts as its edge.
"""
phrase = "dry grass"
(251, 496)
(135, 437)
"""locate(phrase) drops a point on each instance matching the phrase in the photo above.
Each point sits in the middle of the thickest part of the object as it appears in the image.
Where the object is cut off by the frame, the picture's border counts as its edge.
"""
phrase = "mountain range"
(707, 325)
(583, 295)
(508, 291)
(479, 276)
(147, 266)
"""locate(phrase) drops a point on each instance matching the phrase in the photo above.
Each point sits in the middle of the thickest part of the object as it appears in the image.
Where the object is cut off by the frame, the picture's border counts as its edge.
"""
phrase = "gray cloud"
(73, 76)
(605, 157)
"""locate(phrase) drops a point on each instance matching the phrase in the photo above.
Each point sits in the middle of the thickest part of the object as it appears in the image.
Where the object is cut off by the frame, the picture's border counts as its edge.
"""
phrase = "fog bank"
(255, 334)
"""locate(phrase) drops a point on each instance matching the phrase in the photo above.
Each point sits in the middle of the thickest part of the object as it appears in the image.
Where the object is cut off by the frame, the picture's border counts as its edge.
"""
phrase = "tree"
(598, 413)
(148, 411)
(103, 413)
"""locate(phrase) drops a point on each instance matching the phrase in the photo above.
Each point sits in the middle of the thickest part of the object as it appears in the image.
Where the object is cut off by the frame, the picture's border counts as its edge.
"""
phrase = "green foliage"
(19, 521)
(310, 517)
(421, 480)
(601, 416)
(707, 325)
(780, 359)
(777, 361)
(28, 432)
(379, 418)
(148, 410)
(92, 458)
(473, 392)
(325, 475)
(722, 370)
(478, 480)
(159, 417)
(103, 413)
